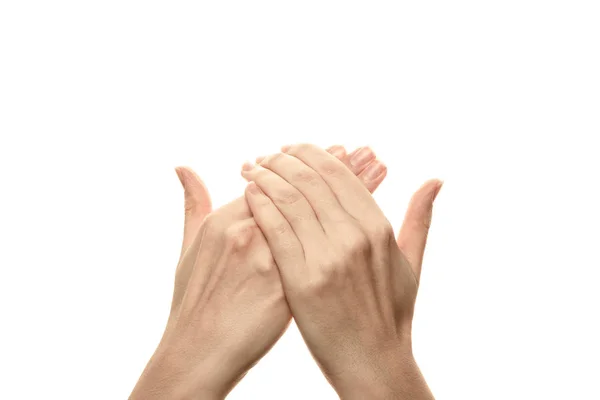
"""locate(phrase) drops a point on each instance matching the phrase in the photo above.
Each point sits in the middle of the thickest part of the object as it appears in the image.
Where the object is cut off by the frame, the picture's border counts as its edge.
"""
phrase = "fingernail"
(253, 188)
(337, 151)
(285, 148)
(260, 159)
(374, 170)
(247, 166)
(362, 157)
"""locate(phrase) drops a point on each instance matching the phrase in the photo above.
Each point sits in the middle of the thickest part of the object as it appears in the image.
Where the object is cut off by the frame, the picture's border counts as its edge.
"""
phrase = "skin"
(350, 284)
(228, 306)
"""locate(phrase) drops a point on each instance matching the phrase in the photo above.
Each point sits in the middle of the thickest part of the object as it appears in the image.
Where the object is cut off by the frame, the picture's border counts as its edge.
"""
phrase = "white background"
(100, 100)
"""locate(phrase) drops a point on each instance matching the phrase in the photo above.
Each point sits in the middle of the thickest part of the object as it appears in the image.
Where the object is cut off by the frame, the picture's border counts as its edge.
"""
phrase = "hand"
(351, 286)
(228, 306)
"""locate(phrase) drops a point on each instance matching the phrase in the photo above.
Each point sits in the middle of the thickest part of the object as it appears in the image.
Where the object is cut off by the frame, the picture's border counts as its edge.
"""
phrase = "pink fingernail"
(337, 151)
(374, 170)
(362, 157)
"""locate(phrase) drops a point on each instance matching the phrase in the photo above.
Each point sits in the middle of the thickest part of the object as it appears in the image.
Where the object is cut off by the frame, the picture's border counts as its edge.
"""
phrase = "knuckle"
(330, 167)
(313, 287)
(237, 236)
(289, 197)
(381, 232)
(250, 225)
(266, 266)
(210, 223)
(357, 245)
(329, 268)
(305, 176)
(281, 228)
(328, 274)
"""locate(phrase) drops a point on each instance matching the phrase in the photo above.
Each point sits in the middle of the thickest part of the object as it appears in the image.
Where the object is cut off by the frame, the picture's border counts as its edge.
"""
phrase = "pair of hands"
(306, 240)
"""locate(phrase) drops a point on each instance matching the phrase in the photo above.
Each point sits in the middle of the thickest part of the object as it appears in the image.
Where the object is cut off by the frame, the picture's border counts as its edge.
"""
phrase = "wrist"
(172, 376)
(393, 376)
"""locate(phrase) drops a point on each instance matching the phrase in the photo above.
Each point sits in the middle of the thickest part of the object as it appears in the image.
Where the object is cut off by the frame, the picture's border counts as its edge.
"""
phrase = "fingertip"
(360, 159)
(383, 172)
(440, 183)
(253, 188)
(373, 181)
(430, 186)
(429, 190)
(178, 171)
(193, 186)
(374, 170)
(337, 151)
(247, 166)
(385, 169)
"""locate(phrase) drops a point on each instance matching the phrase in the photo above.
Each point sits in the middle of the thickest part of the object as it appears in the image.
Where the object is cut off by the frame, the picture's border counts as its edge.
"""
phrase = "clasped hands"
(306, 240)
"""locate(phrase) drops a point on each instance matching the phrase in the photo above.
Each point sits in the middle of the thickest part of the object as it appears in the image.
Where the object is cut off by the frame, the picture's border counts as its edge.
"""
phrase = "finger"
(336, 150)
(358, 160)
(373, 175)
(311, 185)
(284, 244)
(290, 201)
(259, 255)
(359, 169)
(350, 192)
(413, 234)
(362, 162)
(197, 203)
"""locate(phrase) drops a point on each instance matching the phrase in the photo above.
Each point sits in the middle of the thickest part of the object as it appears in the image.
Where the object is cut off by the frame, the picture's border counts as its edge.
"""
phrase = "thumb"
(197, 203)
(413, 234)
